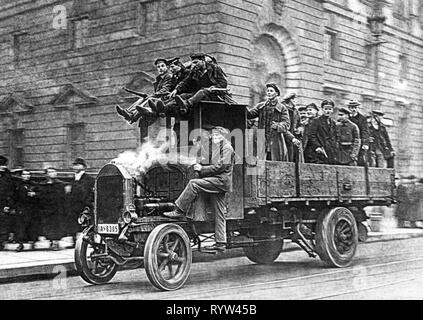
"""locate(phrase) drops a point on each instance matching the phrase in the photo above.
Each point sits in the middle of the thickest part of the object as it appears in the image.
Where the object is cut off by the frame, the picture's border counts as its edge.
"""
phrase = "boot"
(123, 113)
(183, 105)
(161, 109)
(175, 214)
(145, 108)
(171, 108)
(153, 105)
(218, 247)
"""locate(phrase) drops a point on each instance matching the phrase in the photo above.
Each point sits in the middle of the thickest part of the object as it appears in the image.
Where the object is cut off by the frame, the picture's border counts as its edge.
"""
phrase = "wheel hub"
(173, 256)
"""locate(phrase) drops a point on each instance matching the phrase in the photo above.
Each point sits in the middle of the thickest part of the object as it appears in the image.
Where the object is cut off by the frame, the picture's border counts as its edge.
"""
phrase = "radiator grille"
(110, 198)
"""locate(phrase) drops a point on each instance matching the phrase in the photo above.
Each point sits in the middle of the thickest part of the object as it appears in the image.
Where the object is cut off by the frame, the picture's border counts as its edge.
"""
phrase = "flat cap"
(289, 96)
(221, 130)
(198, 55)
(80, 161)
(313, 105)
(378, 113)
(328, 102)
(353, 103)
(175, 60)
(211, 58)
(161, 60)
(344, 110)
(274, 86)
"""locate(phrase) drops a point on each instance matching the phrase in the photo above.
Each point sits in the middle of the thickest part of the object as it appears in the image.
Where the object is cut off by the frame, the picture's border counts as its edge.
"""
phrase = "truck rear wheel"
(336, 237)
(168, 257)
(265, 252)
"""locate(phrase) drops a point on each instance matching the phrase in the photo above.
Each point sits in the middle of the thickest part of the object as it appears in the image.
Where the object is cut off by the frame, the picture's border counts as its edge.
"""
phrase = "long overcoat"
(277, 143)
(348, 138)
(323, 135)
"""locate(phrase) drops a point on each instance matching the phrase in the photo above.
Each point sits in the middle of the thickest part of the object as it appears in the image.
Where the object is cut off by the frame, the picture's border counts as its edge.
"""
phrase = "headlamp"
(130, 214)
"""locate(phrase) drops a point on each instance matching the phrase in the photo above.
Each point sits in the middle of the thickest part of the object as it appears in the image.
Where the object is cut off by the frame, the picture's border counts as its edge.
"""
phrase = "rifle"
(219, 90)
(289, 97)
(139, 94)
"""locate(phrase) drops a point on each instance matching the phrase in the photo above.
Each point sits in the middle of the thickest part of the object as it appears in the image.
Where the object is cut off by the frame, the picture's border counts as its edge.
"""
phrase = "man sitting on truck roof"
(145, 106)
(206, 81)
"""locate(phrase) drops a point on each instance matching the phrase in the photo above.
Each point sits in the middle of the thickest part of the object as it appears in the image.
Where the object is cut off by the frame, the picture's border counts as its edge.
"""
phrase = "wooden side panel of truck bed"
(282, 182)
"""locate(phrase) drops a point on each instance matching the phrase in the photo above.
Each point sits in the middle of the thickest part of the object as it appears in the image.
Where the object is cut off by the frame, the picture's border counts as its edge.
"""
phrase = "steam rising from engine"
(153, 152)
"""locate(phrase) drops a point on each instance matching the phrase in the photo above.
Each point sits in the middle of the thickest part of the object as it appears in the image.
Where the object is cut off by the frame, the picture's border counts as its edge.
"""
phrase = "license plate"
(108, 228)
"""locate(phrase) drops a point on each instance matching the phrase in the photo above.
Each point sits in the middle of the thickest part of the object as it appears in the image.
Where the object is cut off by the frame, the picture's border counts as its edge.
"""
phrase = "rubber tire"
(150, 257)
(325, 243)
(82, 266)
(265, 252)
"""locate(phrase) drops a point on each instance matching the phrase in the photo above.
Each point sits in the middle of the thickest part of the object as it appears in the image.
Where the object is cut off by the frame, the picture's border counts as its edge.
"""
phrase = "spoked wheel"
(94, 270)
(168, 257)
(337, 237)
(265, 252)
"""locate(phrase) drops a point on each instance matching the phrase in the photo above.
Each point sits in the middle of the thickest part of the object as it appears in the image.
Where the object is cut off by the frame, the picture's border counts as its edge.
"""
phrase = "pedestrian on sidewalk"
(80, 196)
(52, 199)
(7, 199)
(28, 220)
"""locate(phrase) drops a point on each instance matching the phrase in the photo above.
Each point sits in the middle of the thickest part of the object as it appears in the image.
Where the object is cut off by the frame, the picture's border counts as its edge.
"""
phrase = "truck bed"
(276, 182)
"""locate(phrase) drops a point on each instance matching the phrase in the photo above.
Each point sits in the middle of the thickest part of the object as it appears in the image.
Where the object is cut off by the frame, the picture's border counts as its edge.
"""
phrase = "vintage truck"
(318, 207)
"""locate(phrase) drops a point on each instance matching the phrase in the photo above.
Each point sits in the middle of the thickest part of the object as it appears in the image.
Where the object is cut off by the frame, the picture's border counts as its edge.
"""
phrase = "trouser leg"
(380, 159)
(219, 208)
(12, 227)
(21, 227)
(186, 96)
(199, 96)
(4, 223)
(362, 158)
(191, 191)
(133, 108)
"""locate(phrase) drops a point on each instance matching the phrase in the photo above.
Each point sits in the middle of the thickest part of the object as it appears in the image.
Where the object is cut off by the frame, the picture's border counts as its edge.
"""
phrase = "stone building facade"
(62, 64)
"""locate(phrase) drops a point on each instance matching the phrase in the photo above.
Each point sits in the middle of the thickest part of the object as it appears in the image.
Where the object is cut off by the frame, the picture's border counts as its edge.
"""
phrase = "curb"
(28, 272)
(380, 237)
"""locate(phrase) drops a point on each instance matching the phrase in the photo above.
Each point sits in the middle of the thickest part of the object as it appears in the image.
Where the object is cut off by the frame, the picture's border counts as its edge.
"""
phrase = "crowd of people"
(311, 133)
(42, 213)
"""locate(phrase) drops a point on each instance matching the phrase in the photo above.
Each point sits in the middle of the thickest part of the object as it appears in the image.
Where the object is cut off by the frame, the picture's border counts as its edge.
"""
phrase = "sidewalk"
(16, 266)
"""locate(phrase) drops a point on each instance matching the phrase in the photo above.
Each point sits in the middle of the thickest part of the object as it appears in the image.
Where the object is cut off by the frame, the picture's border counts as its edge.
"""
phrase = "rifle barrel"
(139, 94)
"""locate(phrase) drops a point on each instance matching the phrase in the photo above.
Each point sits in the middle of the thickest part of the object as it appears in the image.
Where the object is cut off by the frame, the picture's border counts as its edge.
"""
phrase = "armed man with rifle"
(206, 81)
(292, 136)
(146, 105)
